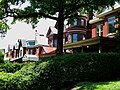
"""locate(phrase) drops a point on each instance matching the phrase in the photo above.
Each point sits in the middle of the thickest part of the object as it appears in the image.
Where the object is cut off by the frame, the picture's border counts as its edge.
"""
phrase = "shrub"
(63, 71)
(1, 56)
(10, 67)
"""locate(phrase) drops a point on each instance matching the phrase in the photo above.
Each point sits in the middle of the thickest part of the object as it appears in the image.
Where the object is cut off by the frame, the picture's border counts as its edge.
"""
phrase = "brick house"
(102, 33)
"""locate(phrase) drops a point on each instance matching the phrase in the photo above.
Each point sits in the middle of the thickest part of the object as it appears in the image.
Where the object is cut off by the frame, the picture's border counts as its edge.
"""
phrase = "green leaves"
(3, 26)
(60, 72)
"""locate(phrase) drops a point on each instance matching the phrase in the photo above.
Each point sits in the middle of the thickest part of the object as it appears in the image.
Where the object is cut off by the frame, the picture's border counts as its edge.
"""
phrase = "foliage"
(1, 56)
(117, 36)
(10, 67)
(118, 27)
(3, 26)
(62, 72)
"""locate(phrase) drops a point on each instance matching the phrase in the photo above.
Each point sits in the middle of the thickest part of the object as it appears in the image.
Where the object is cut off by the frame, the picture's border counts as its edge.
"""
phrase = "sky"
(21, 30)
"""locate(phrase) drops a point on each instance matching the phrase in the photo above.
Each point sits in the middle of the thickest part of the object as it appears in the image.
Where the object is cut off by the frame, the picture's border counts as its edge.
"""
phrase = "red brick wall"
(94, 30)
(105, 28)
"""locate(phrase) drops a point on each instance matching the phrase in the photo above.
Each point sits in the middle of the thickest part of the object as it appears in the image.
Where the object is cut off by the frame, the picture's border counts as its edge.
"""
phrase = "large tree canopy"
(58, 10)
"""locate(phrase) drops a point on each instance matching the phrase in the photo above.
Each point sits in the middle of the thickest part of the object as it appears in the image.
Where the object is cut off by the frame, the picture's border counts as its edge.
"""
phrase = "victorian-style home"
(17, 50)
(102, 32)
(41, 48)
(37, 47)
(77, 31)
(52, 36)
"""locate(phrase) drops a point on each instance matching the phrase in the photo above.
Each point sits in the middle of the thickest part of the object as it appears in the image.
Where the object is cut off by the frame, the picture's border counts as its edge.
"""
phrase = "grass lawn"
(112, 85)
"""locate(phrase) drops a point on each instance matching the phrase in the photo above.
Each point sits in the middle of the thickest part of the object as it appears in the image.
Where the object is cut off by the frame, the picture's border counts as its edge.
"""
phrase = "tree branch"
(76, 7)
(35, 15)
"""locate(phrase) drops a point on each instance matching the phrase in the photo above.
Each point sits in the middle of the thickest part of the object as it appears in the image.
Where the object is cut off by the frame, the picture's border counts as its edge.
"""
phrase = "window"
(111, 24)
(55, 42)
(99, 31)
(31, 51)
(75, 37)
(75, 23)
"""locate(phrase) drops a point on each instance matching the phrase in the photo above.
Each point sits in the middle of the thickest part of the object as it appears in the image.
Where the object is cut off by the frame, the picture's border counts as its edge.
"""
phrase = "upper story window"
(75, 23)
(111, 24)
(75, 38)
(30, 43)
(55, 42)
(99, 31)
(79, 22)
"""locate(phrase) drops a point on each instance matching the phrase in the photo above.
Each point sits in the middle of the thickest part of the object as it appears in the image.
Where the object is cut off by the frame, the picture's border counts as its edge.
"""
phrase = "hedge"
(1, 56)
(10, 67)
(63, 71)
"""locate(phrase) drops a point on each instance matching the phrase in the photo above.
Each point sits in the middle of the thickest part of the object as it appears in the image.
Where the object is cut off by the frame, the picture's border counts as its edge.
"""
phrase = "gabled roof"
(47, 49)
(52, 30)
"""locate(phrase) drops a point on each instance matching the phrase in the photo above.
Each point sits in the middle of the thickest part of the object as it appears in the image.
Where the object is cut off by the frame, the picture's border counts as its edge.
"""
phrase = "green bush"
(10, 67)
(63, 71)
(66, 70)
(1, 56)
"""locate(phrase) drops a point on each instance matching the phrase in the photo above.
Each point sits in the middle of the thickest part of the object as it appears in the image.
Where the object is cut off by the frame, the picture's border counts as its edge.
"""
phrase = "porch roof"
(88, 42)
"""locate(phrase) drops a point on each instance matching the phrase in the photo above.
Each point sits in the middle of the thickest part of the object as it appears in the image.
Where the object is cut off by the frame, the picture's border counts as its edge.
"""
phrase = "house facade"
(102, 33)
(37, 47)
(104, 23)
(17, 50)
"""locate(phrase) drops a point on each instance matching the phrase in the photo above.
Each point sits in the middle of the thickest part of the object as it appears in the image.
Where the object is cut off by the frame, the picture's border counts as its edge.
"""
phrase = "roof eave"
(95, 20)
(102, 15)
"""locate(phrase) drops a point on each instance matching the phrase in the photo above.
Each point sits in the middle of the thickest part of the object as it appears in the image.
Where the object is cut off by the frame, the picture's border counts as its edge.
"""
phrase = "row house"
(18, 50)
(102, 33)
(74, 32)
(36, 47)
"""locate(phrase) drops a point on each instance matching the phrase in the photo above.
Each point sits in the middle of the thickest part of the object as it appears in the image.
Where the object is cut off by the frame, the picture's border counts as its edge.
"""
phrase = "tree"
(3, 27)
(117, 36)
(58, 10)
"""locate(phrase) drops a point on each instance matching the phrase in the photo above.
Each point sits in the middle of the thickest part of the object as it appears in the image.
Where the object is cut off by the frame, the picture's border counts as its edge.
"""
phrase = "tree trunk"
(60, 22)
